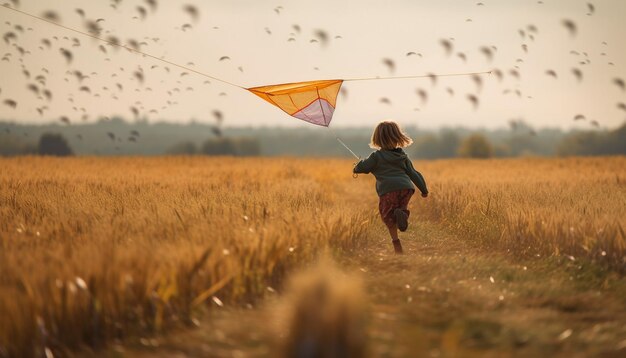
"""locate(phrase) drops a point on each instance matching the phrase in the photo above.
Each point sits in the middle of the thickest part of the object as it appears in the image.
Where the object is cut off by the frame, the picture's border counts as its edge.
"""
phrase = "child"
(394, 173)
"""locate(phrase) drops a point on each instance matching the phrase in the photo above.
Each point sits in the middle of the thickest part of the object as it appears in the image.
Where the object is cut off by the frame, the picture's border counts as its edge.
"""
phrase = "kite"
(311, 101)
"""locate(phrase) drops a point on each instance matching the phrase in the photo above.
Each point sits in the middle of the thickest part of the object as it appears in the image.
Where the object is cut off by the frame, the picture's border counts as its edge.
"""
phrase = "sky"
(254, 35)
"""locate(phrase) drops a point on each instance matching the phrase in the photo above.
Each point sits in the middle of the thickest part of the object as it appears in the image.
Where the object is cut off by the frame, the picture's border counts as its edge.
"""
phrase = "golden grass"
(572, 206)
(94, 250)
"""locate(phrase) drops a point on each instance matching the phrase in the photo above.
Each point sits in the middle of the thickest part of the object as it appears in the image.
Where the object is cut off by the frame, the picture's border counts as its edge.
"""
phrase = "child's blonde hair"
(388, 135)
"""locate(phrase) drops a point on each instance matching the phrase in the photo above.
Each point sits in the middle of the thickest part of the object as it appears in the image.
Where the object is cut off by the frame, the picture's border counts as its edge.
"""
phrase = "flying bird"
(223, 58)
(619, 83)
(385, 100)
(433, 79)
(551, 73)
(217, 131)
(579, 117)
(51, 16)
(478, 81)
(570, 26)
(498, 73)
(142, 12)
(391, 66)
(67, 54)
(322, 36)
(65, 120)
(9, 36)
(219, 116)
(192, 11)
(474, 100)
(423, 95)
(152, 4)
(80, 12)
(447, 46)
(578, 74)
(11, 103)
(488, 52)
(592, 8)
(620, 105)
(462, 56)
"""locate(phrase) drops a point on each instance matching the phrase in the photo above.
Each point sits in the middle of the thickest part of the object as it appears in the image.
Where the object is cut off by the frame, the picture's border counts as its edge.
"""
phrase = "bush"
(54, 144)
(232, 146)
(475, 146)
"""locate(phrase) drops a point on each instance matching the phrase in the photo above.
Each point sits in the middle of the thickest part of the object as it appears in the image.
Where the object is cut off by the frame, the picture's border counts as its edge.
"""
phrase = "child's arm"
(365, 166)
(416, 178)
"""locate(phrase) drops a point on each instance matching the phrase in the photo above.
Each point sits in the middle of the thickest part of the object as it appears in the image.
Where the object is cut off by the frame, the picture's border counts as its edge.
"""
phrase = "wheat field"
(97, 250)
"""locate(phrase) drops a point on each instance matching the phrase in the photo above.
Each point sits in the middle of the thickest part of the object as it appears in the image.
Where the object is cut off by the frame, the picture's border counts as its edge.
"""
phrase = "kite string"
(342, 143)
(417, 76)
(122, 46)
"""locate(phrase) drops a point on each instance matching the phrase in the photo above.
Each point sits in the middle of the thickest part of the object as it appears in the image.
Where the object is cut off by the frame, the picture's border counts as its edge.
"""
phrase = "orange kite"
(311, 101)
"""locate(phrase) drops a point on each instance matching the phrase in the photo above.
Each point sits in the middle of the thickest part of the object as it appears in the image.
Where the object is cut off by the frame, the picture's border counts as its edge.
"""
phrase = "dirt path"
(444, 298)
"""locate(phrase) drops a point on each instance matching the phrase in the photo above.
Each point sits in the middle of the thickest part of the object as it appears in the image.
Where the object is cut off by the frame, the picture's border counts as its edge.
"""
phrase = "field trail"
(443, 298)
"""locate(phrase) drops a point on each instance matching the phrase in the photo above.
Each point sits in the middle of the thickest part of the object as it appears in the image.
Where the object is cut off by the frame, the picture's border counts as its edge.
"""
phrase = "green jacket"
(393, 171)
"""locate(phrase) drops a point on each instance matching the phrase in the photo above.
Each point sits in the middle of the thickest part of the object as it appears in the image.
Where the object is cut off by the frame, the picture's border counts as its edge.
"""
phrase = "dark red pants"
(392, 201)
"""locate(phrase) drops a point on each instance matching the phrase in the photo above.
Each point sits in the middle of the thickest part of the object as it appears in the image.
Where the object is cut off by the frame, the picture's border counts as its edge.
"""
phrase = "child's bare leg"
(393, 231)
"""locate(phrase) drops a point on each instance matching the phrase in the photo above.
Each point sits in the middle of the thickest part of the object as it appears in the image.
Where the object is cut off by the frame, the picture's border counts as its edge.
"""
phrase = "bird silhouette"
(391, 65)
(142, 12)
(474, 100)
(321, 36)
(478, 81)
(620, 105)
(462, 56)
(9, 36)
(578, 74)
(570, 25)
(219, 116)
(11, 103)
(192, 11)
(67, 55)
(433, 78)
(423, 95)
(447, 46)
(385, 100)
(152, 4)
(619, 83)
(488, 52)
(579, 117)
(592, 9)
(551, 73)
(51, 16)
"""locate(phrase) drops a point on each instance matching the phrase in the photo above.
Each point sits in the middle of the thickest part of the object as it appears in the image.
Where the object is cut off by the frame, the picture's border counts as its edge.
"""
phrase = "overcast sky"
(254, 35)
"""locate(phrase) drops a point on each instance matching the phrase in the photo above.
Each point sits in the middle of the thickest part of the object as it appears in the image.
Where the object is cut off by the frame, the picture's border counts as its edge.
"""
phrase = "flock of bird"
(36, 80)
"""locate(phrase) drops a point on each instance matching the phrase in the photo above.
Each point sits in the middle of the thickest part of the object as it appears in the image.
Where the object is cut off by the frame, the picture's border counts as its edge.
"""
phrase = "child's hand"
(424, 195)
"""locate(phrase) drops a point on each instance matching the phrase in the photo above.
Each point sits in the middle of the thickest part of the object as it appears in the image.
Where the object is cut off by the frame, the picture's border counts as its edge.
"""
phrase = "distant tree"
(183, 148)
(475, 146)
(595, 143)
(429, 146)
(12, 145)
(54, 144)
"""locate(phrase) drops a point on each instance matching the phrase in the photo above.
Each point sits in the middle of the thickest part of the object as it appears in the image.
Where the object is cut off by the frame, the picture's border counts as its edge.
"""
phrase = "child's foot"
(402, 219)
(397, 246)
